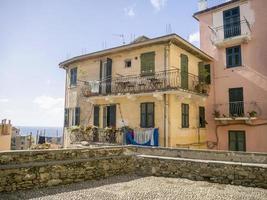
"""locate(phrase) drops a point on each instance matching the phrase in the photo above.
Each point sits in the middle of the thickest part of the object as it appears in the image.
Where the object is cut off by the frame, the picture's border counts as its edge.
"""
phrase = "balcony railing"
(240, 109)
(232, 30)
(159, 81)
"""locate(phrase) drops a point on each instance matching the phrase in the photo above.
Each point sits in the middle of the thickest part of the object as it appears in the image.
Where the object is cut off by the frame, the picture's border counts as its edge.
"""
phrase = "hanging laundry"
(141, 136)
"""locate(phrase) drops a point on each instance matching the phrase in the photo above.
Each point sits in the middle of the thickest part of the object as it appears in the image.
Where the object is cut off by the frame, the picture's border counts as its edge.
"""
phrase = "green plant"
(216, 114)
(252, 113)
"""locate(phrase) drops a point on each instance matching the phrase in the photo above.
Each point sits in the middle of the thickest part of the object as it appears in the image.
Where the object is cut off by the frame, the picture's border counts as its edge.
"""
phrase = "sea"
(42, 131)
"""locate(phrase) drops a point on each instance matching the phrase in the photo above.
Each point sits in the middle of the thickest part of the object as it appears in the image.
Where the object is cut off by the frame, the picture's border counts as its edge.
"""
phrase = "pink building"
(234, 33)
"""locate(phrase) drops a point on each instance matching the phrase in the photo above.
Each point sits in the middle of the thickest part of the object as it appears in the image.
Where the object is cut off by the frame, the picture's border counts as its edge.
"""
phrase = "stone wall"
(235, 156)
(29, 169)
(252, 175)
(42, 168)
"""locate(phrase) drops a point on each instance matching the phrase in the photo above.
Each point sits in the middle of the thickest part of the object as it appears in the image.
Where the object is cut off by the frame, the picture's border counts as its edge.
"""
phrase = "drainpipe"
(166, 99)
(63, 136)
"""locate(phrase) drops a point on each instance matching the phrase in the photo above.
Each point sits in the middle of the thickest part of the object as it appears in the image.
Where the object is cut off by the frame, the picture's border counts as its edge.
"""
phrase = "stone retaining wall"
(252, 175)
(42, 168)
(244, 157)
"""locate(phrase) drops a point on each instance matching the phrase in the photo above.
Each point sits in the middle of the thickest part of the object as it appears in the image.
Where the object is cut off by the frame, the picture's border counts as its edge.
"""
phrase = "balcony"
(231, 34)
(159, 81)
(239, 110)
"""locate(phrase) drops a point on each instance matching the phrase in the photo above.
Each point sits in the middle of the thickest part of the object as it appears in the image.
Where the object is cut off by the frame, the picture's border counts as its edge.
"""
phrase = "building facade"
(161, 82)
(234, 34)
(5, 135)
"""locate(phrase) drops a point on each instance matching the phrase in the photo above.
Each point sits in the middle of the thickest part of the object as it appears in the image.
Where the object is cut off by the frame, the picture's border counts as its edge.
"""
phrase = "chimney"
(202, 5)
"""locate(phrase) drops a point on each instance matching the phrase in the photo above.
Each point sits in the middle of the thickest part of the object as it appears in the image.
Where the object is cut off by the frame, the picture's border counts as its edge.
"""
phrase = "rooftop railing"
(158, 81)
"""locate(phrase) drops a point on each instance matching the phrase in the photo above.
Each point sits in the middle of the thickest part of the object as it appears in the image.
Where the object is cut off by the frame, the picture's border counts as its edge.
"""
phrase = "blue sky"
(35, 35)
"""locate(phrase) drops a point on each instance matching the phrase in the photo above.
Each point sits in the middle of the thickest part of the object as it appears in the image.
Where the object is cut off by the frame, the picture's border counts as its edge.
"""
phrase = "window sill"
(233, 67)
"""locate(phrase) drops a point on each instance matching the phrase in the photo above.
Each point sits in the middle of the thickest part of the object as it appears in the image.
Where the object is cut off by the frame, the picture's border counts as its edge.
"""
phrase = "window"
(128, 63)
(231, 22)
(204, 73)
(109, 116)
(75, 116)
(236, 102)
(185, 115)
(237, 140)
(73, 76)
(96, 115)
(147, 115)
(202, 120)
(233, 56)
(147, 63)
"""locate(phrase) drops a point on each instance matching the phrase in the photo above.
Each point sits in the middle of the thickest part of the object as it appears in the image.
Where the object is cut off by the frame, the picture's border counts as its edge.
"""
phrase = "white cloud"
(129, 11)
(158, 4)
(4, 100)
(48, 103)
(194, 37)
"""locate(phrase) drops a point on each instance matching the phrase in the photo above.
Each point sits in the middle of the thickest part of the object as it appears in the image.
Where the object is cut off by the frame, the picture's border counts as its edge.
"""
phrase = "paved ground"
(123, 187)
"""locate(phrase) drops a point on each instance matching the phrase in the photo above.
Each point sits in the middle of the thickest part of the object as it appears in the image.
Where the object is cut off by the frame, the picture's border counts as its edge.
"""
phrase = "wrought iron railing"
(240, 109)
(159, 81)
(237, 28)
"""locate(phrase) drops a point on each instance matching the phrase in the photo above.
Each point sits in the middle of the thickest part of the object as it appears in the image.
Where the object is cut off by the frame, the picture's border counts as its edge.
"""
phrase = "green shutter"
(241, 141)
(232, 141)
(147, 63)
(201, 72)
(77, 116)
(184, 71)
(66, 117)
(96, 115)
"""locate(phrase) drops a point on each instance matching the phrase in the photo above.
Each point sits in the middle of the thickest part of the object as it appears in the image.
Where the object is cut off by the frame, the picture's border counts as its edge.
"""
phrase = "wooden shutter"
(236, 104)
(201, 72)
(143, 115)
(241, 141)
(77, 116)
(104, 117)
(202, 121)
(66, 117)
(208, 76)
(184, 71)
(185, 115)
(109, 75)
(150, 115)
(100, 77)
(232, 141)
(112, 116)
(96, 115)
(147, 63)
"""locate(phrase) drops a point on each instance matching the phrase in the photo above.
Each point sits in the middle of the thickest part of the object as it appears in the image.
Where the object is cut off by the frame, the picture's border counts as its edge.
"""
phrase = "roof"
(174, 38)
(214, 8)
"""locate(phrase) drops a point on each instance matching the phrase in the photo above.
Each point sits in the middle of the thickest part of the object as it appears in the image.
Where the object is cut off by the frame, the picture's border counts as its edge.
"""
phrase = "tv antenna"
(121, 36)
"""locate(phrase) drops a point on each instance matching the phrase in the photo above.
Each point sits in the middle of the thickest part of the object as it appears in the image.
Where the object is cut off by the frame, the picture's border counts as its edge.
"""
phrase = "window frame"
(185, 115)
(147, 114)
(73, 76)
(231, 57)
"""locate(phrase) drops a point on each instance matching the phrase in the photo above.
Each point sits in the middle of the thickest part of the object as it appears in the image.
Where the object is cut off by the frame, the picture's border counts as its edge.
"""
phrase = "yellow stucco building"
(160, 82)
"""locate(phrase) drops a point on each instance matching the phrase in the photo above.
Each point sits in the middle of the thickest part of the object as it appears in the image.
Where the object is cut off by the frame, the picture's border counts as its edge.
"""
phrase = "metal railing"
(158, 81)
(237, 28)
(240, 109)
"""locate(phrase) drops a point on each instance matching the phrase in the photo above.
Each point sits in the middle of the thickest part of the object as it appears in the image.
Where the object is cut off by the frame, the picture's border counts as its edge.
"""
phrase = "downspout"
(63, 138)
(165, 98)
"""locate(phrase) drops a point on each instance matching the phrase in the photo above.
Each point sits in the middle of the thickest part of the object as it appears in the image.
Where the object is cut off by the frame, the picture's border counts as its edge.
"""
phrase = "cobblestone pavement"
(133, 187)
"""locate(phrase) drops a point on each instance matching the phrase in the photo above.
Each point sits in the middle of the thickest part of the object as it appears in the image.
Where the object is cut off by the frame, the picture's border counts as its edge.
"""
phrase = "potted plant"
(216, 114)
(252, 113)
